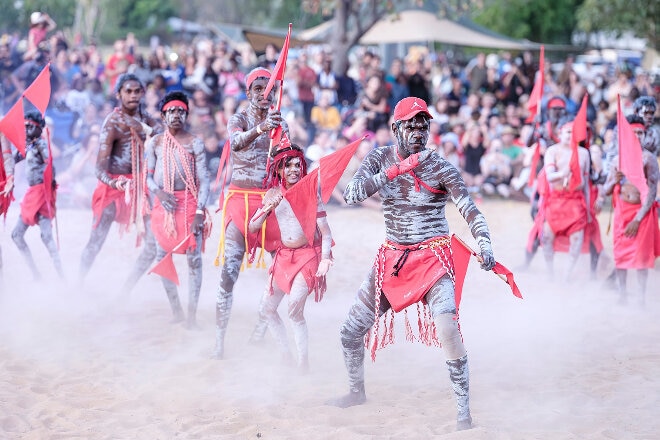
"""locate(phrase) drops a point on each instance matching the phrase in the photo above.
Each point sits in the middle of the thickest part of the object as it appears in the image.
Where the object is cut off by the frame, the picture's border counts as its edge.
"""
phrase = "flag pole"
(477, 256)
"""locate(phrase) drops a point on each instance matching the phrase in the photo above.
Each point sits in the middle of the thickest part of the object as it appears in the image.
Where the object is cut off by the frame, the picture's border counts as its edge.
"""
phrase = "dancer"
(38, 205)
(178, 177)
(120, 194)
(249, 146)
(298, 268)
(415, 264)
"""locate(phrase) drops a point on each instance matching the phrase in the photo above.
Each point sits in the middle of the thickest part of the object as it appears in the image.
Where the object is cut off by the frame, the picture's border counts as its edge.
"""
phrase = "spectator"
(496, 169)
(40, 25)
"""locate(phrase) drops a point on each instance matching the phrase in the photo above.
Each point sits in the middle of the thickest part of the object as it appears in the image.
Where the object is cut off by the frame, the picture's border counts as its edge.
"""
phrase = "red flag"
(535, 162)
(223, 170)
(333, 166)
(280, 67)
(165, 268)
(579, 135)
(303, 198)
(631, 163)
(39, 91)
(535, 98)
(461, 255)
(13, 126)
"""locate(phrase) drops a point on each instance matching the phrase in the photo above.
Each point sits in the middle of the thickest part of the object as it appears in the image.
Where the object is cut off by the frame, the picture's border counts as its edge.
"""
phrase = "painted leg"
(441, 300)
(96, 240)
(268, 307)
(45, 226)
(358, 322)
(171, 291)
(622, 280)
(234, 251)
(259, 331)
(18, 235)
(594, 255)
(194, 281)
(547, 241)
(576, 239)
(297, 300)
(145, 259)
(642, 278)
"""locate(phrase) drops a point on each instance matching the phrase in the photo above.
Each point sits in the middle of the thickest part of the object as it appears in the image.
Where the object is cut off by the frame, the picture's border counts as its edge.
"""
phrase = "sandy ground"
(567, 362)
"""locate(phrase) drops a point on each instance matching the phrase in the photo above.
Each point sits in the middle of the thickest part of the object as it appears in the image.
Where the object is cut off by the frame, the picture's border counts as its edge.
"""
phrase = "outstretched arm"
(326, 241)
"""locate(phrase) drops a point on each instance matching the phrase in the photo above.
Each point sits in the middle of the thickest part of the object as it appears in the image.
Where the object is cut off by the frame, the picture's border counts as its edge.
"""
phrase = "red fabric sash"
(235, 213)
(640, 251)
(103, 196)
(290, 262)
(565, 212)
(35, 203)
(408, 272)
(183, 218)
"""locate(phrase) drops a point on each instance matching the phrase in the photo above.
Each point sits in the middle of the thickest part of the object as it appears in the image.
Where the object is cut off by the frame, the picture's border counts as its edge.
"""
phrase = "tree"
(640, 16)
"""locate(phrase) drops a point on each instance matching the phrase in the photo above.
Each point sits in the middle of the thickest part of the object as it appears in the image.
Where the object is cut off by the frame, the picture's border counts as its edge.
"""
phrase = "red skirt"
(35, 203)
(640, 251)
(170, 230)
(103, 196)
(290, 262)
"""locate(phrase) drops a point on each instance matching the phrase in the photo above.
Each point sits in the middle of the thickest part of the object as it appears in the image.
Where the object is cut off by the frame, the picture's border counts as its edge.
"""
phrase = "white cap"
(36, 18)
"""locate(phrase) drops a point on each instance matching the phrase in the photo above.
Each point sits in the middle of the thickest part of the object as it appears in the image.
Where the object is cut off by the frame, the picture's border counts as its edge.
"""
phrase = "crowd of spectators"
(480, 117)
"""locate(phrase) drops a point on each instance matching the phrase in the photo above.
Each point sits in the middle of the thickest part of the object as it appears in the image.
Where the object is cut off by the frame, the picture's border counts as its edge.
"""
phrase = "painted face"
(32, 130)
(556, 113)
(647, 112)
(175, 117)
(130, 94)
(256, 94)
(639, 132)
(291, 172)
(565, 134)
(412, 135)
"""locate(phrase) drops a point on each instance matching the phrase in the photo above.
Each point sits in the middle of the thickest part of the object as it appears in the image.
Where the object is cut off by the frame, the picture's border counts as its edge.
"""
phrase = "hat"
(556, 101)
(507, 129)
(36, 18)
(409, 107)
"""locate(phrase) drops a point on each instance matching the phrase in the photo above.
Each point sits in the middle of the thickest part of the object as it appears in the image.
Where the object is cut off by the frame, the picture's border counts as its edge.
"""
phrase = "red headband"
(259, 72)
(175, 103)
(637, 125)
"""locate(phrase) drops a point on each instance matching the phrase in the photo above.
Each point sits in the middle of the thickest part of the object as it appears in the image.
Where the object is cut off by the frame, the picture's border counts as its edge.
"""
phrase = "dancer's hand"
(407, 164)
(197, 226)
(324, 267)
(167, 200)
(273, 120)
(9, 185)
(487, 260)
(631, 229)
(121, 183)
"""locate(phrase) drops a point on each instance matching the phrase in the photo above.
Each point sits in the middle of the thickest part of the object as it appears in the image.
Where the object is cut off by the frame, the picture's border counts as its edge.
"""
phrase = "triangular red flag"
(38, 93)
(13, 126)
(276, 136)
(280, 67)
(223, 170)
(333, 166)
(461, 255)
(501, 270)
(536, 97)
(536, 157)
(165, 268)
(579, 135)
(631, 162)
(303, 198)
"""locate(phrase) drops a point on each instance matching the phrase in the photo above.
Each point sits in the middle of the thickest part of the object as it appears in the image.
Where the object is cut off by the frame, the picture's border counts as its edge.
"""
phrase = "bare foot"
(464, 424)
(218, 353)
(353, 398)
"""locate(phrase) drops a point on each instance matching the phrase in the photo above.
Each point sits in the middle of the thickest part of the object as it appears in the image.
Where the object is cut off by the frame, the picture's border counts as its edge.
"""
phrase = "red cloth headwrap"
(259, 72)
(175, 103)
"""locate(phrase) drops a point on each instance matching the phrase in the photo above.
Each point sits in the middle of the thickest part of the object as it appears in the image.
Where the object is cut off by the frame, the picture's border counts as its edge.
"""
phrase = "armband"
(259, 131)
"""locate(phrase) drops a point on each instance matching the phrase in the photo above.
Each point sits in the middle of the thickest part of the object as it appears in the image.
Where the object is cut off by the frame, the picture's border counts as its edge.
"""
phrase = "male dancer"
(38, 205)
(298, 268)
(636, 233)
(249, 143)
(415, 264)
(120, 194)
(645, 107)
(565, 210)
(177, 175)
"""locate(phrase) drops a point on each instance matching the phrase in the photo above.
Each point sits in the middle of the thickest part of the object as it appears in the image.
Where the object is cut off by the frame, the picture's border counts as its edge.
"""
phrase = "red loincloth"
(289, 262)
(235, 212)
(104, 195)
(565, 212)
(183, 218)
(640, 251)
(562, 242)
(34, 204)
(420, 269)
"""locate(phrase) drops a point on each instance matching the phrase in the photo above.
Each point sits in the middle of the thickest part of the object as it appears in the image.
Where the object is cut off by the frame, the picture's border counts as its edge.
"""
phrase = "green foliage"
(142, 17)
(640, 16)
(544, 21)
(15, 19)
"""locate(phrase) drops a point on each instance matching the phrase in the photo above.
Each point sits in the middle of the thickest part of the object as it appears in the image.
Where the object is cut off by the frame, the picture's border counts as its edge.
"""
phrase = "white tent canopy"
(422, 26)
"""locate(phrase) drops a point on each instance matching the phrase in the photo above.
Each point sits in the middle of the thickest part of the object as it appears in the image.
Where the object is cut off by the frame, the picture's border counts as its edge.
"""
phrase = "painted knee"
(449, 336)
